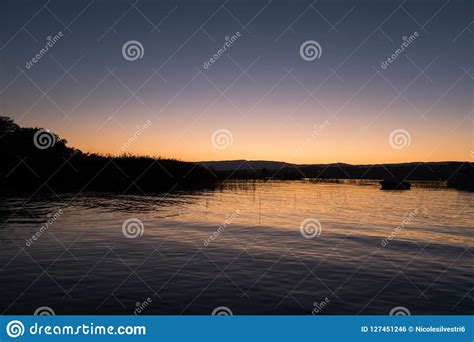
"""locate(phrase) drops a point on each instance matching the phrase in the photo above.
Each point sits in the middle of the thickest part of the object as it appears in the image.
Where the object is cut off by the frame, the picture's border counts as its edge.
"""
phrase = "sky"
(265, 97)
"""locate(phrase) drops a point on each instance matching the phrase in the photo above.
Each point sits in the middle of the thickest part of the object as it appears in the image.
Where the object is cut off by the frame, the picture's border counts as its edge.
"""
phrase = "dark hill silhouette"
(455, 174)
(25, 167)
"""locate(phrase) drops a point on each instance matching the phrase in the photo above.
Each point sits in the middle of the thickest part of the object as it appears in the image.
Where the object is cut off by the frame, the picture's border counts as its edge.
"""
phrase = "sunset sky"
(341, 107)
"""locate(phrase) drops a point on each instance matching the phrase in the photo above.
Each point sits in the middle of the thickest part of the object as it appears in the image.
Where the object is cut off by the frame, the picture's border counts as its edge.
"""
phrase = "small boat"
(395, 184)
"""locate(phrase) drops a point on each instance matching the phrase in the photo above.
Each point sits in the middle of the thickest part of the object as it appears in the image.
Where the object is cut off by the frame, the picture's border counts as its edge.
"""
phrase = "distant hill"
(456, 174)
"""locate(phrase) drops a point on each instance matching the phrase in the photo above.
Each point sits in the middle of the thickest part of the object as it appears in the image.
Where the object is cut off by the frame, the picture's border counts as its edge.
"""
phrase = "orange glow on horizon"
(307, 139)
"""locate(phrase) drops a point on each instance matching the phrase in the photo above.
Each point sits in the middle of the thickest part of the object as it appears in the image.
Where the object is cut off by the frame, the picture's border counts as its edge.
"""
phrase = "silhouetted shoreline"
(27, 166)
(459, 175)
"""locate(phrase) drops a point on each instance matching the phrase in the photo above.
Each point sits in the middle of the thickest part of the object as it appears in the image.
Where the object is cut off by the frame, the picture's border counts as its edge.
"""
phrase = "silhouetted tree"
(26, 165)
(7, 125)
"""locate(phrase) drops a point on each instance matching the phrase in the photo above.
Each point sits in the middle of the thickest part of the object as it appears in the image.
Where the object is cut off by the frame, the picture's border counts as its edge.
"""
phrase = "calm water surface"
(258, 262)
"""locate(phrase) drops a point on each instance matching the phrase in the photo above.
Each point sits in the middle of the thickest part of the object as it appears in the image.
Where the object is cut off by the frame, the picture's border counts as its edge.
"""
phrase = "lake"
(275, 247)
